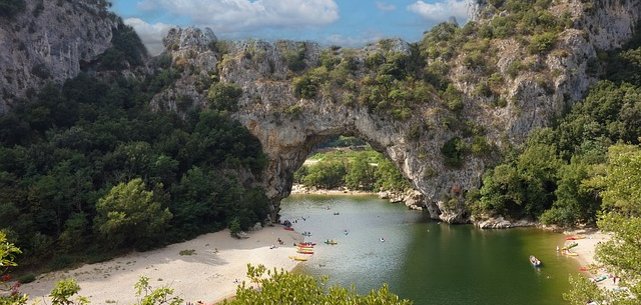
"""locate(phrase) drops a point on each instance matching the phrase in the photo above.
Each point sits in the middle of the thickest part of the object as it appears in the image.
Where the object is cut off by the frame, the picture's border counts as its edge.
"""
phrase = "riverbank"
(586, 254)
(411, 198)
(206, 268)
(298, 189)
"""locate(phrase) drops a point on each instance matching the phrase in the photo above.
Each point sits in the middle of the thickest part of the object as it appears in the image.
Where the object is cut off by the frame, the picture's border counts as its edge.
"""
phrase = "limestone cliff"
(49, 41)
(289, 125)
(54, 40)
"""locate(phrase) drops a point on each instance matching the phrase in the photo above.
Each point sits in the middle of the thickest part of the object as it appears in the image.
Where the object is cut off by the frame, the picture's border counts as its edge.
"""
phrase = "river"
(427, 262)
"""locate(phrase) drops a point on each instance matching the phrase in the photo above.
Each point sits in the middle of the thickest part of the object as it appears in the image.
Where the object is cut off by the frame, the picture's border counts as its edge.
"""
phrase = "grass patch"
(187, 252)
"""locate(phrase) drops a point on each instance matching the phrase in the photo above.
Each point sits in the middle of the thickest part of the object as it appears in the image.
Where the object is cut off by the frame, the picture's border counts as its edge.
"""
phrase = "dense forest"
(89, 169)
(356, 168)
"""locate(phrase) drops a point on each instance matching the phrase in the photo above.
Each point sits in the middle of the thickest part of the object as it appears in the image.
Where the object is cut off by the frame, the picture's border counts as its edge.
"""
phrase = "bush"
(26, 278)
(453, 98)
(305, 87)
(224, 96)
(453, 152)
(542, 43)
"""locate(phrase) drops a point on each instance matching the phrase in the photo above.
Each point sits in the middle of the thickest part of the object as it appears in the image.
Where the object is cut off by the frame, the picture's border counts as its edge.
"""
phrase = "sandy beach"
(301, 189)
(207, 275)
(585, 251)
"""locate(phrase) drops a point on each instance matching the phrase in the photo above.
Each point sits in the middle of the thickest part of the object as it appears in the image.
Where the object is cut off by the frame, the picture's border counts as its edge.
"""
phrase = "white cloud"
(150, 34)
(230, 16)
(385, 7)
(442, 11)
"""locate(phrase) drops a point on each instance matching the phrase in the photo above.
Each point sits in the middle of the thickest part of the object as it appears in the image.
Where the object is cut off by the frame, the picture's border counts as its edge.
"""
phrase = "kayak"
(299, 258)
(305, 252)
(570, 246)
(574, 237)
(568, 253)
(306, 244)
(331, 242)
(600, 278)
(289, 228)
(535, 261)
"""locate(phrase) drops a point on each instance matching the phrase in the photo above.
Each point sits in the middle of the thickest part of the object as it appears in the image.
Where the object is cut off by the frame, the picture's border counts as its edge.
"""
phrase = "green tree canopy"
(129, 214)
(621, 255)
(290, 288)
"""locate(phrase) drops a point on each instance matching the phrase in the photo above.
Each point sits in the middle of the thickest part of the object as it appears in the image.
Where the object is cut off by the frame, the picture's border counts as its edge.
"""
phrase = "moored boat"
(306, 244)
(331, 242)
(535, 261)
(299, 258)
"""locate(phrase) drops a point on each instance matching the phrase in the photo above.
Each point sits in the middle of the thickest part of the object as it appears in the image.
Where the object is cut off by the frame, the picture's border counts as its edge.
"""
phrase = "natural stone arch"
(288, 139)
(288, 127)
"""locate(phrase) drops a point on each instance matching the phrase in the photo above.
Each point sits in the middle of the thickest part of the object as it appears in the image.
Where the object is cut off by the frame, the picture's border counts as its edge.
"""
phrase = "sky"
(348, 23)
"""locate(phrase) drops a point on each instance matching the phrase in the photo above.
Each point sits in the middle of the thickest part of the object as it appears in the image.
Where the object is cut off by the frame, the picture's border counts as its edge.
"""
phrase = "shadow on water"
(427, 262)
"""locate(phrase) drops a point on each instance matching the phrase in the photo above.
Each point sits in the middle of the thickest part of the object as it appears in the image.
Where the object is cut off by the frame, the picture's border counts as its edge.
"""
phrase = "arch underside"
(288, 140)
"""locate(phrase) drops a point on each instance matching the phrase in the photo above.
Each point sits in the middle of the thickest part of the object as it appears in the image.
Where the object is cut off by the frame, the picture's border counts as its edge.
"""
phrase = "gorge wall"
(289, 124)
(49, 41)
(294, 95)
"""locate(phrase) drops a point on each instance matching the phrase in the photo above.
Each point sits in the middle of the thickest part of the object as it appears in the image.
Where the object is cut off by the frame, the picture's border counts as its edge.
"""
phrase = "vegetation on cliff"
(547, 178)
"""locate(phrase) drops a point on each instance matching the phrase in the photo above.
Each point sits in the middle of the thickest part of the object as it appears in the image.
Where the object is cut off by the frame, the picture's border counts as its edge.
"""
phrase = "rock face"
(192, 52)
(289, 127)
(49, 42)
(53, 40)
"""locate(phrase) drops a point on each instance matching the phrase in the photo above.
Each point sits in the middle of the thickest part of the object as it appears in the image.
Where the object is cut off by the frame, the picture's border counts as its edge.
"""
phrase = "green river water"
(427, 262)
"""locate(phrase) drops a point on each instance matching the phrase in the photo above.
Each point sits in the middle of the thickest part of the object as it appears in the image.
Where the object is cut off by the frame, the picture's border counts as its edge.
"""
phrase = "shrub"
(305, 87)
(542, 43)
(187, 252)
(295, 59)
(224, 96)
(453, 98)
(26, 278)
(453, 152)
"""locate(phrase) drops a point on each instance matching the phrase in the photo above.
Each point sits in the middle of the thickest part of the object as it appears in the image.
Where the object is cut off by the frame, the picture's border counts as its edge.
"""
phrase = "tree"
(8, 251)
(64, 290)
(360, 174)
(158, 296)
(290, 288)
(129, 215)
(621, 255)
(576, 202)
(223, 96)
(327, 175)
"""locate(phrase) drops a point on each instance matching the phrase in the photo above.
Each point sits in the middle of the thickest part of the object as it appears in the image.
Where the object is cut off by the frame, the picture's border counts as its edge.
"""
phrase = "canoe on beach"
(299, 258)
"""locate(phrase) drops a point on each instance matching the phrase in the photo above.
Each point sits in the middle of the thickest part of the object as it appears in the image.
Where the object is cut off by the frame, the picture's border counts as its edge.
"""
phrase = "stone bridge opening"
(288, 139)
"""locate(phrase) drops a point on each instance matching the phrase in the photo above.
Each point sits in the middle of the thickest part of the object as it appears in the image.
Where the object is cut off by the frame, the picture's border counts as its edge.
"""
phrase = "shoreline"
(210, 274)
(586, 255)
(299, 189)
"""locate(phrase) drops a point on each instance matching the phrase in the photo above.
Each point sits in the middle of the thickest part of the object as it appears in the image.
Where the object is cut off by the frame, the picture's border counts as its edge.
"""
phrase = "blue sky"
(339, 22)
